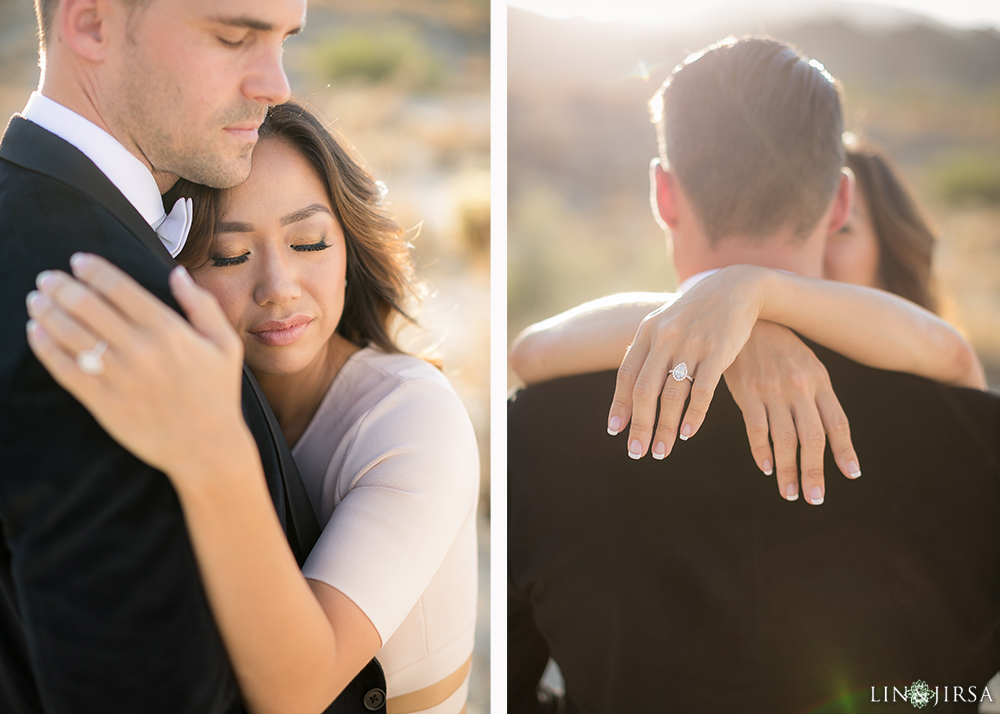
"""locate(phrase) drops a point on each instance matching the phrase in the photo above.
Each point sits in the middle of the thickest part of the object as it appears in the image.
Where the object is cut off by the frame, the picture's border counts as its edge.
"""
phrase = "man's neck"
(75, 97)
(800, 256)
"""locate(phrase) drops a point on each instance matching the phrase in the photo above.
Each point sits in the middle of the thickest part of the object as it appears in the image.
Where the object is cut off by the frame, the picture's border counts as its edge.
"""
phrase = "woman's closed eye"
(309, 247)
(220, 261)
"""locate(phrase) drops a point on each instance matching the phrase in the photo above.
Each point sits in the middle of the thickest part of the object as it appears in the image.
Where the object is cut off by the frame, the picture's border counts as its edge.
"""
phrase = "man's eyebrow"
(251, 23)
(305, 213)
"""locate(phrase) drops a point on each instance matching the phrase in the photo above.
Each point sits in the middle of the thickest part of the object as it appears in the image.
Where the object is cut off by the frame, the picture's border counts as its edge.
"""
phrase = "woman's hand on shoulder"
(169, 391)
(703, 330)
(786, 398)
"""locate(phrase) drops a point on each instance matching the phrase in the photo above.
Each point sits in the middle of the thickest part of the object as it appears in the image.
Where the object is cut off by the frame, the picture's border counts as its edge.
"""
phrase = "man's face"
(194, 80)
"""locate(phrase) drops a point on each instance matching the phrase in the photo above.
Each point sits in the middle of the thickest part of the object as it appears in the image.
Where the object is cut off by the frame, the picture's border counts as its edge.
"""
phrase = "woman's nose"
(277, 284)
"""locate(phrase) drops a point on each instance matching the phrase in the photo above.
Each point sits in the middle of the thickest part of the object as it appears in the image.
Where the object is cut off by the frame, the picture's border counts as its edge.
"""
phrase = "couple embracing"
(714, 562)
(164, 549)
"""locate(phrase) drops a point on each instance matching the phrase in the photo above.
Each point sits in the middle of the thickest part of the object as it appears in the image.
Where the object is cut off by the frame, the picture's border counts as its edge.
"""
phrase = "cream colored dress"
(391, 467)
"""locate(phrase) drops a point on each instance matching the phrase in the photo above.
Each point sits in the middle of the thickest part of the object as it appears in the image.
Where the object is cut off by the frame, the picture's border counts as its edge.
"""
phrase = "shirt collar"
(125, 171)
(695, 279)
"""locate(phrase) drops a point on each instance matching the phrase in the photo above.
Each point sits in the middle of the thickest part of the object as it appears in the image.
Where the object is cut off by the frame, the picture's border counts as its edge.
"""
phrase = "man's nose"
(267, 83)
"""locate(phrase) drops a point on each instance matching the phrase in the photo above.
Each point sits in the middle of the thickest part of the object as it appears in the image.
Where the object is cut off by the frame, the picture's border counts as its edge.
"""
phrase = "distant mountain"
(883, 46)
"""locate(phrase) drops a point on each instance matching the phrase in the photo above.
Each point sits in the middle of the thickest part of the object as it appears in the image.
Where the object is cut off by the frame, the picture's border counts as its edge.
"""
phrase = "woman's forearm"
(587, 338)
(870, 326)
(282, 645)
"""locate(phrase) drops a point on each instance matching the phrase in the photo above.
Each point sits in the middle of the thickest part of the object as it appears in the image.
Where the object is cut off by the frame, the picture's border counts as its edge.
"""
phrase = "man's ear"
(842, 202)
(662, 195)
(83, 25)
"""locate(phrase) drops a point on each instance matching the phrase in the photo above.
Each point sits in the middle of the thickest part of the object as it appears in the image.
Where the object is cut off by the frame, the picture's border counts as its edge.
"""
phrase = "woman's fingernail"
(615, 425)
(659, 450)
(852, 468)
(183, 274)
(816, 496)
(32, 300)
(792, 492)
(686, 432)
(635, 449)
(43, 279)
(32, 326)
(768, 468)
(78, 260)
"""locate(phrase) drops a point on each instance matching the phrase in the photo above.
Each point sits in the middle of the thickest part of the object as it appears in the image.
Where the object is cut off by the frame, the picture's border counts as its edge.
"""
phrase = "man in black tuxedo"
(102, 608)
(687, 584)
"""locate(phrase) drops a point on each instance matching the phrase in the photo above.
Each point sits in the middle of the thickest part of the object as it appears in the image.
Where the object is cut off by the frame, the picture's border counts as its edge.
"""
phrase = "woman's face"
(852, 254)
(278, 265)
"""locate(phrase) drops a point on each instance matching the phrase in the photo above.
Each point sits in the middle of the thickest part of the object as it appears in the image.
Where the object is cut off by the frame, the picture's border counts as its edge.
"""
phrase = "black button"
(374, 700)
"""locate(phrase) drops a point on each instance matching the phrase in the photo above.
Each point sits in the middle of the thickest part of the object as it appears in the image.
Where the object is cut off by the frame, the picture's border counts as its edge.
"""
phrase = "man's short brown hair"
(752, 129)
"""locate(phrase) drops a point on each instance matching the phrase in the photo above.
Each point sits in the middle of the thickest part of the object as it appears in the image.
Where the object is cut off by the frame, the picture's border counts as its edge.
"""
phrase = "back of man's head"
(752, 130)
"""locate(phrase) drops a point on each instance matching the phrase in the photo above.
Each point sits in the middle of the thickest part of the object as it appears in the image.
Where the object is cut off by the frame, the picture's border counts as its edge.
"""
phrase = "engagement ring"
(92, 361)
(680, 373)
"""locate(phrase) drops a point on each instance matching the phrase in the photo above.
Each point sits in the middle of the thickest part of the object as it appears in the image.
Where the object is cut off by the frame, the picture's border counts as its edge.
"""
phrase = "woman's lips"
(279, 333)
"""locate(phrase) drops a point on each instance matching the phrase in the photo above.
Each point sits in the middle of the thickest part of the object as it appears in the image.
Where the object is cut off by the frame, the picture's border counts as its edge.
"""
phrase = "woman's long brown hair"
(379, 269)
(906, 241)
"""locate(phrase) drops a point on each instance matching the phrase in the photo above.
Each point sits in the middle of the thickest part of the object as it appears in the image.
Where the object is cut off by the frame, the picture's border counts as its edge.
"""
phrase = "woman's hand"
(170, 390)
(705, 329)
(784, 392)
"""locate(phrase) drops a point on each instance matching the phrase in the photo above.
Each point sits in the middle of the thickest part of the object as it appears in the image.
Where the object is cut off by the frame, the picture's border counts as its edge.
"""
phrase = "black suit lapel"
(32, 147)
(291, 501)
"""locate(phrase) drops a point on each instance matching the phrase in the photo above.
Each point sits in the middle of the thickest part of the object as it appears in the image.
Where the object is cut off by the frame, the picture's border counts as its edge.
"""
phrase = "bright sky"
(960, 13)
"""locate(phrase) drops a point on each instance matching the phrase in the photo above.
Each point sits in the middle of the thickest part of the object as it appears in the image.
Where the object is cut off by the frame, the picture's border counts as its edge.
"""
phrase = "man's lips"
(278, 333)
(247, 132)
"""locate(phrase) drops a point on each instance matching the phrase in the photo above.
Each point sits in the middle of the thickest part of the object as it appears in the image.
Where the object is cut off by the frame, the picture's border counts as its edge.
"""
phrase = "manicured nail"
(43, 279)
(686, 432)
(635, 449)
(852, 468)
(792, 492)
(32, 300)
(32, 326)
(78, 260)
(615, 425)
(659, 450)
(183, 274)
(816, 496)
(769, 468)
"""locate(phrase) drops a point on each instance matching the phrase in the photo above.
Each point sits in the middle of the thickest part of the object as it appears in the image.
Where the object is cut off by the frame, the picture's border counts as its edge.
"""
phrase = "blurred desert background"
(407, 83)
(580, 141)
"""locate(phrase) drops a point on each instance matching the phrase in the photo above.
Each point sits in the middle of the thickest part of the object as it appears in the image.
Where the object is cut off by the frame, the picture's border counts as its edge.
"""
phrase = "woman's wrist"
(750, 285)
(208, 471)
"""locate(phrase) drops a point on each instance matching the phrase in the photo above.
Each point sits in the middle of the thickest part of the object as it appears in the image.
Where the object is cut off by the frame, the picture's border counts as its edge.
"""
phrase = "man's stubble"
(156, 111)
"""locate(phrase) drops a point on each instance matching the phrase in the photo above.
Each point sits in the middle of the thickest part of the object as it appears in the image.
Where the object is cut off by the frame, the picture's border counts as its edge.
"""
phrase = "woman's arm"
(868, 325)
(294, 644)
(587, 338)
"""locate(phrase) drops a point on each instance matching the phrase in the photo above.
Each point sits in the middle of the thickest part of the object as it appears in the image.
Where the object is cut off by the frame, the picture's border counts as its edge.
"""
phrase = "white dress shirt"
(695, 279)
(123, 169)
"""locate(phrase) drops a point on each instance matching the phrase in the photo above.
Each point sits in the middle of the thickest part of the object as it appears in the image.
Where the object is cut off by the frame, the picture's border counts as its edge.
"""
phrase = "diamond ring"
(680, 373)
(92, 361)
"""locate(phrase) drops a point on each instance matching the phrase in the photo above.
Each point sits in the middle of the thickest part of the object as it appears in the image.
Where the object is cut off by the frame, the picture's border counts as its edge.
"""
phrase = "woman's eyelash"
(221, 262)
(322, 245)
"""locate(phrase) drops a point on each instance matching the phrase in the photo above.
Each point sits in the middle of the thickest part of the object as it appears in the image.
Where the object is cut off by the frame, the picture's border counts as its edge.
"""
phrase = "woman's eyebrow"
(234, 227)
(300, 215)
(305, 213)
